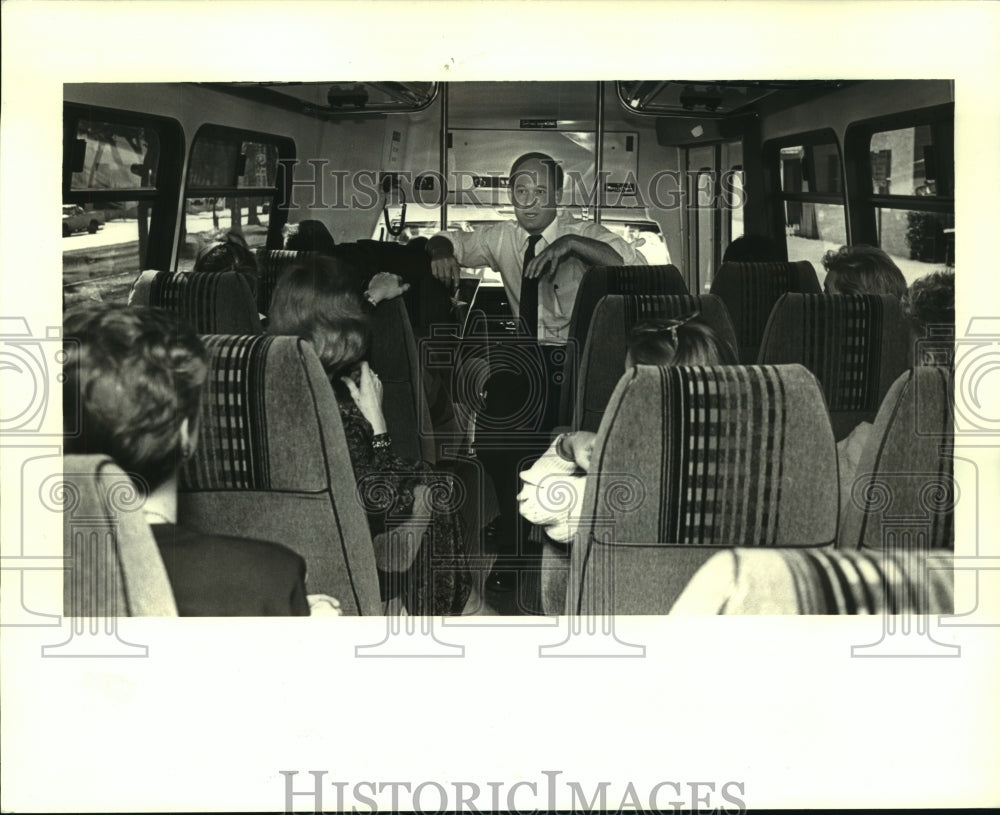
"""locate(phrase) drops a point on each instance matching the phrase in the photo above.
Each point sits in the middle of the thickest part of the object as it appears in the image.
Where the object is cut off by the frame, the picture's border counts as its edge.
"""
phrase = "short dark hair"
(682, 341)
(132, 375)
(315, 299)
(311, 236)
(546, 160)
(863, 269)
(225, 252)
(752, 249)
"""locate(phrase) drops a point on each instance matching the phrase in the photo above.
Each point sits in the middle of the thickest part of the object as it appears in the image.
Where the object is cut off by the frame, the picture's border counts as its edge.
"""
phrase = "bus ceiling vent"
(339, 97)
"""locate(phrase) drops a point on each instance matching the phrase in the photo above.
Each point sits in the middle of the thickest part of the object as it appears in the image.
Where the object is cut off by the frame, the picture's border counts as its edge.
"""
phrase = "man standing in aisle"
(541, 258)
(550, 248)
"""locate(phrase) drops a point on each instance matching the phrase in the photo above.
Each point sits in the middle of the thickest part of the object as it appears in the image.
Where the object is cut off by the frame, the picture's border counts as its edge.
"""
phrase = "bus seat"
(211, 302)
(602, 361)
(904, 485)
(393, 356)
(690, 459)
(856, 345)
(597, 283)
(272, 463)
(271, 264)
(805, 581)
(750, 291)
(115, 569)
(428, 301)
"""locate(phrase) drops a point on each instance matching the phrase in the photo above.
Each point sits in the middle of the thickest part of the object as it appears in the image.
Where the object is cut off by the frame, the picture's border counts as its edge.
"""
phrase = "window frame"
(865, 202)
(777, 197)
(164, 196)
(280, 192)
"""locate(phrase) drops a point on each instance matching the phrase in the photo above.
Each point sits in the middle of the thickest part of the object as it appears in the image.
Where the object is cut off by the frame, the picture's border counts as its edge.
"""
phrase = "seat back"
(272, 463)
(393, 356)
(602, 361)
(210, 302)
(750, 291)
(856, 345)
(809, 581)
(115, 569)
(271, 264)
(689, 459)
(597, 283)
(428, 302)
(904, 486)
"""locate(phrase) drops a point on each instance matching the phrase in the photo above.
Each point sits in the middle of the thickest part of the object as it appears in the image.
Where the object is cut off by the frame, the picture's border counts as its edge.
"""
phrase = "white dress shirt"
(501, 246)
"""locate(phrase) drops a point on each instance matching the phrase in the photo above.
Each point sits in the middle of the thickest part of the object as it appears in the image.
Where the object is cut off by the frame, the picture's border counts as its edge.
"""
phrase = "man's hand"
(447, 270)
(547, 261)
(444, 267)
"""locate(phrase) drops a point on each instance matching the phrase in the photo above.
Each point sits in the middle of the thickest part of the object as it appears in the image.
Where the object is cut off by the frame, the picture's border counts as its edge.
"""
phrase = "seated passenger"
(858, 269)
(862, 269)
(930, 306)
(226, 252)
(752, 249)
(134, 377)
(686, 341)
(316, 301)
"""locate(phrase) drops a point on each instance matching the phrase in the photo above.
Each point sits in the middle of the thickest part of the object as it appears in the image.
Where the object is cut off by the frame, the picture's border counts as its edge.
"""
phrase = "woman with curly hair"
(134, 376)
(317, 301)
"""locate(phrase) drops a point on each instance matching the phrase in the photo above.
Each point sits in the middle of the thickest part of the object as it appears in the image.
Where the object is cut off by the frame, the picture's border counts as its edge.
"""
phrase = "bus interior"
(678, 169)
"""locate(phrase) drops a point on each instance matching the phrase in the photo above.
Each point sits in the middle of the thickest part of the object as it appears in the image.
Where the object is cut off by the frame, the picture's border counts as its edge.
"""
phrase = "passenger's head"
(311, 236)
(684, 341)
(133, 379)
(752, 249)
(225, 252)
(535, 184)
(929, 304)
(862, 269)
(315, 300)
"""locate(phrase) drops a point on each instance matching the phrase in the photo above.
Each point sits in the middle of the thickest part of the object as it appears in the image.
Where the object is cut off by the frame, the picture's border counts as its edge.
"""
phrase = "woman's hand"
(385, 286)
(579, 447)
(367, 395)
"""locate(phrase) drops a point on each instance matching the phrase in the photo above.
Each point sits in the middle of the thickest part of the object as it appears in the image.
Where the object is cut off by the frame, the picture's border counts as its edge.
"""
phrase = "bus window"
(903, 163)
(811, 191)
(110, 185)
(232, 185)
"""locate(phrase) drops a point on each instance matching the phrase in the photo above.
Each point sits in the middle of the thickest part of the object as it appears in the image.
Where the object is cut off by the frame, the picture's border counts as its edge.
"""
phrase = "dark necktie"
(529, 290)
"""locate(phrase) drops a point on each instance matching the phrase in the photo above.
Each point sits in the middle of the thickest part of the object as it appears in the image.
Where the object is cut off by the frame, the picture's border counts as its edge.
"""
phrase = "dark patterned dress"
(439, 581)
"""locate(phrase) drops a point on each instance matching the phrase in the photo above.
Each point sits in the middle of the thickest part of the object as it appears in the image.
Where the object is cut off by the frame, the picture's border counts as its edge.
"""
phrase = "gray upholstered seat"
(272, 463)
(691, 459)
(271, 264)
(115, 569)
(596, 284)
(856, 345)
(750, 291)
(809, 581)
(904, 490)
(210, 302)
(393, 356)
(603, 360)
